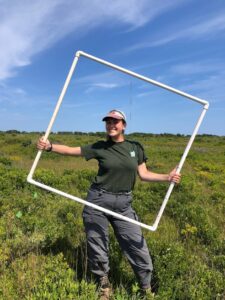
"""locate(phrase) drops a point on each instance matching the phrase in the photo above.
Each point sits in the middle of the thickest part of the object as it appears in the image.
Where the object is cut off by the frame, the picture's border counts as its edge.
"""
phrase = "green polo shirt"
(117, 162)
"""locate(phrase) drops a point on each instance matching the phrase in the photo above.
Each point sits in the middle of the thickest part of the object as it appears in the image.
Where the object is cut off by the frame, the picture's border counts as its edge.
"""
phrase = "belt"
(94, 187)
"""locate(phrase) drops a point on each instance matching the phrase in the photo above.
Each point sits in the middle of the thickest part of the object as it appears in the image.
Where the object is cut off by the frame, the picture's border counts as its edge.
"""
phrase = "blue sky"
(180, 43)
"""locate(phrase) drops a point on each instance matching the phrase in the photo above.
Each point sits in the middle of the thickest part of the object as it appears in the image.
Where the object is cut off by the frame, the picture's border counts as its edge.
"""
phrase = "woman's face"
(114, 127)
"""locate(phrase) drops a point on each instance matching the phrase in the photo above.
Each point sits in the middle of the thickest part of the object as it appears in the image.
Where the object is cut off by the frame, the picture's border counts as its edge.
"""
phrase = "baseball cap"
(115, 114)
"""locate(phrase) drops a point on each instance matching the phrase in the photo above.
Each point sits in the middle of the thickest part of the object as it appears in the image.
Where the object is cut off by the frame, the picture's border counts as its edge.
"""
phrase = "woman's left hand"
(174, 177)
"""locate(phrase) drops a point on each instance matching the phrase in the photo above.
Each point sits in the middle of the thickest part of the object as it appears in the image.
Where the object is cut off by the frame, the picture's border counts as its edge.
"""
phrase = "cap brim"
(110, 117)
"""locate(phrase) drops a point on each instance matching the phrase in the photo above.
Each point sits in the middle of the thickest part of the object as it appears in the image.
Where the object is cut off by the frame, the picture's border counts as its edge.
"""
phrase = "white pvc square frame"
(180, 165)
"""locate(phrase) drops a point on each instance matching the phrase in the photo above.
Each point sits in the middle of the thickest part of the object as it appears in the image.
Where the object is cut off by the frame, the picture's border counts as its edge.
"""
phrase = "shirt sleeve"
(141, 154)
(88, 152)
(91, 151)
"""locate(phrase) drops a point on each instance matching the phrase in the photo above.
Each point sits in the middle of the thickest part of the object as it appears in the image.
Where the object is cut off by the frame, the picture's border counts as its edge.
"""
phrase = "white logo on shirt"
(132, 154)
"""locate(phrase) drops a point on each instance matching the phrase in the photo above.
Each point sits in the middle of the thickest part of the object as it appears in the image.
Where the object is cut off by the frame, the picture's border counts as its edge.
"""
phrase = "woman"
(119, 162)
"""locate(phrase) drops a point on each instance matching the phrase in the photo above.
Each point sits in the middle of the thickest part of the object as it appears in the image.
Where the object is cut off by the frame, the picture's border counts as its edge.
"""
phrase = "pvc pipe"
(48, 188)
(180, 165)
(154, 82)
(59, 102)
(171, 186)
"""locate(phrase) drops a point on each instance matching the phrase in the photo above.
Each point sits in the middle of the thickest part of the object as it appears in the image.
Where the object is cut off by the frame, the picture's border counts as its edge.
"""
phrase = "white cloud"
(105, 80)
(11, 94)
(210, 88)
(206, 28)
(198, 67)
(29, 27)
(101, 85)
(106, 85)
(204, 78)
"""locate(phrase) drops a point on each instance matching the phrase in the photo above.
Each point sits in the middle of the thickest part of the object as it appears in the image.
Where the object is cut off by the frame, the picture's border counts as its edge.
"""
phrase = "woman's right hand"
(41, 145)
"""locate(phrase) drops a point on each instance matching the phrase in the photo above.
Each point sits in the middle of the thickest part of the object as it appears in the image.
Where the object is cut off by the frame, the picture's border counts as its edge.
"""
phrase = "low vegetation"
(42, 239)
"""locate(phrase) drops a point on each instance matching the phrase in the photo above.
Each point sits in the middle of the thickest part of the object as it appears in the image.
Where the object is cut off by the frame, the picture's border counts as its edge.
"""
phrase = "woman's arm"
(146, 175)
(61, 149)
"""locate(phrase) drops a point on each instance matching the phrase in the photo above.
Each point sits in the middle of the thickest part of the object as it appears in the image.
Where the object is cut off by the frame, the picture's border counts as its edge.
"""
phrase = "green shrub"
(42, 239)
(43, 277)
(5, 161)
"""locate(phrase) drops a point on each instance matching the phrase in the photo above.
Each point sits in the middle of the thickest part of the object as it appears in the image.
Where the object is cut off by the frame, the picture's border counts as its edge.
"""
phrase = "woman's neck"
(118, 139)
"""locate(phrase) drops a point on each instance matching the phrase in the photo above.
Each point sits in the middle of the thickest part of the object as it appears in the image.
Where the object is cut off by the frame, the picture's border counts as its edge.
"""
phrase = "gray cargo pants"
(128, 235)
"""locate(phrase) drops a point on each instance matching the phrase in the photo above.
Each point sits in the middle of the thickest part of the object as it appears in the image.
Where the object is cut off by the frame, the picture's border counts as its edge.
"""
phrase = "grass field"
(42, 240)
